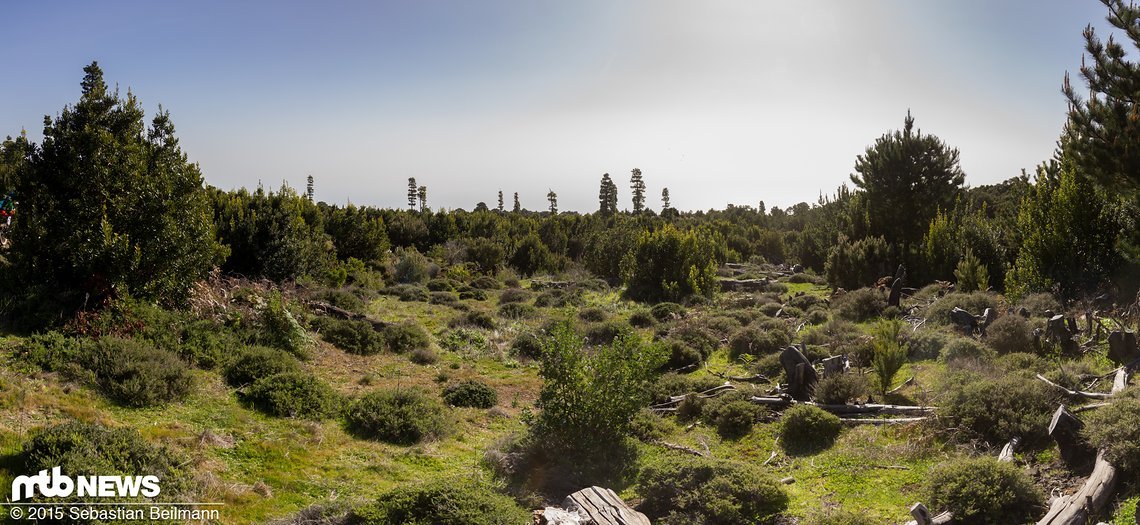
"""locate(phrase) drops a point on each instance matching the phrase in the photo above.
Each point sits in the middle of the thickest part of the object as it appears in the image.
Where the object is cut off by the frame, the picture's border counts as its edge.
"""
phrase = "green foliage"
(51, 351)
(667, 311)
(403, 417)
(1116, 430)
(805, 429)
(855, 264)
(357, 233)
(965, 349)
(255, 362)
(732, 416)
(907, 177)
(971, 275)
(680, 355)
(531, 256)
(486, 282)
(441, 502)
(402, 337)
(995, 409)
(669, 264)
(938, 313)
(590, 397)
(1010, 333)
(517, 311)
(1039, 303)
(841, 388)
(527, 345)
(839, 516)
(859, 305)
(926, 344)
(275, 235)
(352, 336)
(470, 393)
(605, 333)
(136, 374)
(985, 491)
(478, 319)
(680, 489)
(294, 394)
(890, 354)
(593, 314)
(953, 233)
(412, 267)
(756, 342)
(514, 295)
(280, 329)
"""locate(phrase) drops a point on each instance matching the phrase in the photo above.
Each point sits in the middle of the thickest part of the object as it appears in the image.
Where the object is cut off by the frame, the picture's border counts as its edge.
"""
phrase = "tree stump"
(801, 375)
(601, 506)
(1122, 347)
(967, 321)
(1065, 430)
(896, 287)
(836, 365)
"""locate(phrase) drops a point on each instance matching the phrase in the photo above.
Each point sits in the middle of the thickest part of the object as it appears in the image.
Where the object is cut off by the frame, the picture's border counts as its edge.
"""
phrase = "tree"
(665, 204)
(517, 207)
(907, 177)
(357, 232)
(1102, 133)
(500, 201)
(14, 156)
(110, 207)
(309, 189)
(412, 193)
(421, 192)
(607, 196)
(553, 198)
(669, 264)
(638, 186)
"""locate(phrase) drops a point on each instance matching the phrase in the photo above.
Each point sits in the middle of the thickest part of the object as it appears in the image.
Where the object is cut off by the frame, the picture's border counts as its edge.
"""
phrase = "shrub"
(444, 298)
(341, 299)
(280, 330)
(423, 356)
(402, 417)
(352, 336)
(605, 333)
(85, 449)
(206, 343)
(642, 318)
(971, 274)
(996, 409)
(409, 293)
(486, 282)
(671, 264)
(666, 311)
(255, 362)
(514, 295)
(926, 344)
(964, 348)
(859, 305)
(478, 319)
(1010, 333)
(405, 336)
(696, 337)
(527, 345)
(721, 326)
(975, 303)
(413, 267)
(800, 278)
(805, 429)
(841, 388)
(1039, 303)
(470, 393)
(889, 355)
(134, 373)
(1116, 429)
(756, 342)
(517, 311)
(690, 408)
(293, 394)
(985, 491)
(441, 285)
(647, 426)
(473, 295)
(839, 516)
(769, 366)
(680, 355)
(560, 298)
(592, 314)
(443, 502)
(816, 315)
(674, 384)
(805, 301)
(732, 416)
(51, 351)
(856, 264)
(687, 489)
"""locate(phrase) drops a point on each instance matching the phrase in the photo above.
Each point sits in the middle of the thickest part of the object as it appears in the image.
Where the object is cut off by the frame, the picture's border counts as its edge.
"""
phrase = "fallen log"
(1078, 508)
(876, 421)
(755, 378)
(869, 408)
(1075, 393)
(712, 392)
(922, 516)
(329, 309)
(679, 448)
(601, 506)
(904, 384)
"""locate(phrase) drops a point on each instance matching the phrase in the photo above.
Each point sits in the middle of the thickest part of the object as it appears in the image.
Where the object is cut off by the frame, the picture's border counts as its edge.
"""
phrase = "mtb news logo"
(58, 485)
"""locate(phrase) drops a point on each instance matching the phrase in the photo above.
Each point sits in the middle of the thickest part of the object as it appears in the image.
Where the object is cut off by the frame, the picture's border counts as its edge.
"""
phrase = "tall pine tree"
(638, 186)
(413, 192)
(607, 196)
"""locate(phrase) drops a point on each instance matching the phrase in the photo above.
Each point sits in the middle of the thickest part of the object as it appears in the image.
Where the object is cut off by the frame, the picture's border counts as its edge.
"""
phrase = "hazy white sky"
(721, 101)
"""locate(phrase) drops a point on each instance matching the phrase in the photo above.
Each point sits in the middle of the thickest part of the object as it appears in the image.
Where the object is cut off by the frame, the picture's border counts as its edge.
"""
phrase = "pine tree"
(421, 192)
(607, 196)
(553, 198)
(412, 193)
(309, 189)
(500, 201)
(638, 186)
(907, 177)
(665, 204)
(518, 207)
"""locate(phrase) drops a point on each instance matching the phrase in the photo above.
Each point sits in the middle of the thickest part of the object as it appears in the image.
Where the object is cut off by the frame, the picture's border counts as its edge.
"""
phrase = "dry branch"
(1075, 393)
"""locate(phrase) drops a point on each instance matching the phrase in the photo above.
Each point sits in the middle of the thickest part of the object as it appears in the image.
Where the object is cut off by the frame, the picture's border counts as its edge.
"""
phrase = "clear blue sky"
(721, 101)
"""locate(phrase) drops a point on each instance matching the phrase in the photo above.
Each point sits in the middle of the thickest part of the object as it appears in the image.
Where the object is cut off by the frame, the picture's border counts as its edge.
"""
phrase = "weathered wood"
(922, 516)
(1008, 450)
(678, 448)
(604, 507)
(1075, 393)
(869, 408)
(801, 375)
(835, 365)
(754, 378)
(897, 286)
(329, 309)
(1122, 347)
(877, 421)
(967, 321)
(1065, 429)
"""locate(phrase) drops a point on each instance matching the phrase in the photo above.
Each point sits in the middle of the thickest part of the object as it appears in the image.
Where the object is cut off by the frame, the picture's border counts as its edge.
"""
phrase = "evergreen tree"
(500, 201)
(421, 192)
(638, 186)
(412, 193)
(517, 207)
(110, 207)
(553, 198)
(309, 189)
(906, 178)
(14, 156)
(665, 204)
(607, 196)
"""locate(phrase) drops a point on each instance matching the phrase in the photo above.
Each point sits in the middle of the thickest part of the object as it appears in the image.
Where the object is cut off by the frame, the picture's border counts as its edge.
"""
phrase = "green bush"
(642, 318)
(478, 319)
(857, 264)
(974, 406)
(648, 426)
(971, 274)
(593, 314)
(816, 315)
(806, 429)
(470, 393)
(280, 330)
(423, 356)
(206, 344)
(732, 416)
(926, 344)
(406, 336)
(486, 282)
(985, 491)
(443, 298)
(1039, 303)
(136, 374)
(86, 449)
(352, 336)
(527, 345)
(680, 355)
(441, 285)
(965, 348)
(756, 342)
(859, 305)
(442, 502)
(680, 489)
(841, 388)
(413, 267)
(975, 303)
(666, 311)
(1010, 333)
(341, 298)
(889, 354)
(670, 264)
(517, 311)
(605, 333)
(839, 516)
(255, 362)
(674, 384)
(402, 417)
(293, 394)
(1116, 429)
(514, 295)
(472, 295)
(51, 351)
(409, 293)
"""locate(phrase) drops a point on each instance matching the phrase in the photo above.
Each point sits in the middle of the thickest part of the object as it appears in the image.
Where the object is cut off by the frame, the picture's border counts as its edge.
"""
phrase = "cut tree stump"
(1065, 429)
(897, 286)
(1122, 347)
(801, 375)
(922, 516)
(601, 506)
(836, 365)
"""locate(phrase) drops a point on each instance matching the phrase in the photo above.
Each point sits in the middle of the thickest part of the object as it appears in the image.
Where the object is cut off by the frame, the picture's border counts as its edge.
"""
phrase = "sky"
(720, 101)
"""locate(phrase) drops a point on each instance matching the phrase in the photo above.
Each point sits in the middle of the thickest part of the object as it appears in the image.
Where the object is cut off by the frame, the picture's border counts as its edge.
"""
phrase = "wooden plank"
(604, 507)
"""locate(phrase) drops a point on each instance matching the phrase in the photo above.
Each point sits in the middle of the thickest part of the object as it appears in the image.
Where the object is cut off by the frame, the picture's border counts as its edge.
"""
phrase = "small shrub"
(206, 343)
(341, 298)
(405, 336)
(255, 362)
(477, 319)
(517, 311)
(441, 285)
(666, 311)
(486, 282)
(800, 278)
(593, 314)
(964, 348)
(514, 295)
(681, 356)
(443, 502)
(642, 318)
(889, 355)
(1023, 362)
(280, 329)
(1010, 333)
(732, 416)
(721, 326)
(470, 393)
(605, 333)
(409, 293)
(805, 429)
(995, 409)
(51, 351)
(423, 356)
(769, 366)
(696, 337)
(1116, 429)
(839, 516)
(859, 305)
(756, 342)
(136, 374)
(985, 491)
(473, 295)
(926, 344)
(841, 388)
(413, 267)
(293, 394)
(687, 489)
(527, 345)
(402, 417)
(971, 274)
(939, 312)
(1039, 303)
(674, 384)
(352, 336)
(647, 426)
(816, 316)
(805, 301)
(443, 298)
